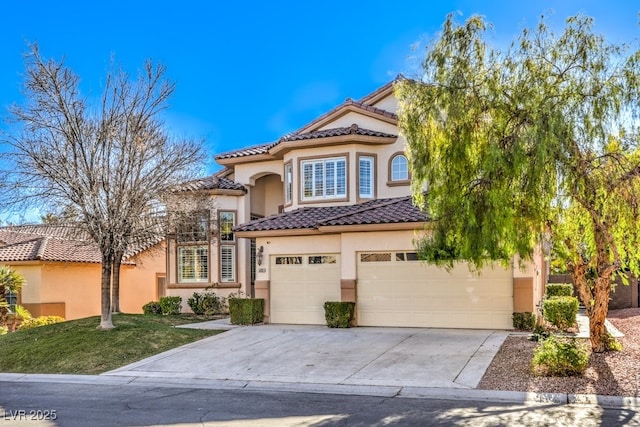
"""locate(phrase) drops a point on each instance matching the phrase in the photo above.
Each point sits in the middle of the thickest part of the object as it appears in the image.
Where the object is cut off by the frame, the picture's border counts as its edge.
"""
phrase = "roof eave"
(278, 233)
(343, 110)
(248, 158)
(328, 141)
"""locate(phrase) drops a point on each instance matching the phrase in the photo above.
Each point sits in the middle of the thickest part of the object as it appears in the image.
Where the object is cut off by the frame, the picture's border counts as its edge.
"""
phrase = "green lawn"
(77, 347)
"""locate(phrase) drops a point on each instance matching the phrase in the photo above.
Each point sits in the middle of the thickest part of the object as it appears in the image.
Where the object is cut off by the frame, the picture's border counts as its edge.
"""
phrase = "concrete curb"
(609, 402)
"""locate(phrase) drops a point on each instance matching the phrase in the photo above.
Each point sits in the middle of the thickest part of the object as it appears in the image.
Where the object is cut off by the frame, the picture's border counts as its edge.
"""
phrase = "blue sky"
(248, 72)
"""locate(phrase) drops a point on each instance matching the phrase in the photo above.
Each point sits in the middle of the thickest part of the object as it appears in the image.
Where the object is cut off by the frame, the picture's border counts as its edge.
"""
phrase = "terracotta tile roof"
(351, 130)
(382, 211)
(300, 134)
(249, 151)
(54, 243)
(349, 102)
(213, 182)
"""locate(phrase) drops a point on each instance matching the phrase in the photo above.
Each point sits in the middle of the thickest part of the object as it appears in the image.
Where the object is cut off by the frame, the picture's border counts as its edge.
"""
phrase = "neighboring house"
(324, 214)
(62, 269)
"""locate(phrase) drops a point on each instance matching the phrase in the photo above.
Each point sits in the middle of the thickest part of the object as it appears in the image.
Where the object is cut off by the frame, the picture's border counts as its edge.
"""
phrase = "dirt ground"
(612, 373)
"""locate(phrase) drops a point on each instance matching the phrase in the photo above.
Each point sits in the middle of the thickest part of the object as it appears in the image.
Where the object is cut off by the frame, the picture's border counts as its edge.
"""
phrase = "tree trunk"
(599, 310)
(105, 319)
(115, 285)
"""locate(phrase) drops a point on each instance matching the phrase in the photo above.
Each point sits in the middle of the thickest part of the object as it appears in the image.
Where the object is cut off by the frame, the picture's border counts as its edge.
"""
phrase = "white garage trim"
(301, 284)
(395, 289)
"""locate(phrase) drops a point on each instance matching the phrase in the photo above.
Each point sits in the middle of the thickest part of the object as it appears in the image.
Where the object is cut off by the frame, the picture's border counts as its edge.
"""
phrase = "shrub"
(539, 333)
(152, 307)
(171, 305)
(246, 311)
(560, 311)
(524, 321)
(339, 314)
(34, 322)
(3, 330)
(560, 357)
(559, 290)
(205, 303)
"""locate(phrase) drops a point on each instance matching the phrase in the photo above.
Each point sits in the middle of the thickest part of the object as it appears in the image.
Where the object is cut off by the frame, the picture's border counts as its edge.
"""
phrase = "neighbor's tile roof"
(212, 182)
(53, 243)
(381, 211)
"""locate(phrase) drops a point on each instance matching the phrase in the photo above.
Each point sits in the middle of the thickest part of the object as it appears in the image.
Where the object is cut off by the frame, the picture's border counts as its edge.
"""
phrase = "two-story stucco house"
(325, 214)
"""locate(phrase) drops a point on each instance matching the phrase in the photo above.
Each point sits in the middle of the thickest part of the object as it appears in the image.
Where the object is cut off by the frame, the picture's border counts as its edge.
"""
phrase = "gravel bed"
(609, 374)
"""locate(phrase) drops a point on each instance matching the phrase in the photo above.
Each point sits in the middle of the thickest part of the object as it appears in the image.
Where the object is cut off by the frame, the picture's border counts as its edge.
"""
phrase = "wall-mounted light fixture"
(259, 255)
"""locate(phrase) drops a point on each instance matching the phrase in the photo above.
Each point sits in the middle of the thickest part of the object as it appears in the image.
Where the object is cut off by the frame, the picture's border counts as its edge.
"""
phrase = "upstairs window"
(365, 177)
(324, 179)
(194, 228)
(288, 183)
(399, 168)
(227, 220)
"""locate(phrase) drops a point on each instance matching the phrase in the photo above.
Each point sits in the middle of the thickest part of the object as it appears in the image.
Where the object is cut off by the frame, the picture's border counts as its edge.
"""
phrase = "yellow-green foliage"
(34, 322)
(560, 311)
(560, 357)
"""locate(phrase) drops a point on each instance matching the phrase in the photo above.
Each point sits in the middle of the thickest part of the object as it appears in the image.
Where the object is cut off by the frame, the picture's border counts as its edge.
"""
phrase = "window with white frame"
(324, 178)
(227, 220)
(365, 176)
(227, 263)
(288, 183)
(192, 235)
(193, 264)
(399, 168)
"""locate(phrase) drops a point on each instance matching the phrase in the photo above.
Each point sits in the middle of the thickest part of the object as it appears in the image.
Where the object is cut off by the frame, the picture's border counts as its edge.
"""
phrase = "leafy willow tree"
(537, 142)
(108, 162)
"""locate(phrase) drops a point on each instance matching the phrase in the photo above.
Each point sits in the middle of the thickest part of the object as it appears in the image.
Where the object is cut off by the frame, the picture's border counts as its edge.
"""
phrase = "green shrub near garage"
(246, 311)
(560, 311)
(339, 314)
(559, 290)
(560, 357)
(524, 321)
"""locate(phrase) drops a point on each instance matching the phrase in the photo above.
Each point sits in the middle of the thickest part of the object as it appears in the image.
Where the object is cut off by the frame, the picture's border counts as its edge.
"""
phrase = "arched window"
(399, 168)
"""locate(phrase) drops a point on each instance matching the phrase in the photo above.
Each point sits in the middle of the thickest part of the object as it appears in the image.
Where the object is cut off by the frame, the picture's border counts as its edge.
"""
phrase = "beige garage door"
(395, 289)
(301, 284)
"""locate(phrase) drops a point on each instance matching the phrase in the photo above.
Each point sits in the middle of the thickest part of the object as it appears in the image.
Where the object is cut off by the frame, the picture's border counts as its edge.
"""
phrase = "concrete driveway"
(287, 354)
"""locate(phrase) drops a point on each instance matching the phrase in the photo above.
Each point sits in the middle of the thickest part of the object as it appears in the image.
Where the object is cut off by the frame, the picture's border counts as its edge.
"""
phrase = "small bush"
(560, 357)
(560, 311)
(339, 314)
(246, 311)
(539, 333)
(152, 307)
(171, 305)
(524, 321)
(559, 290)
(207, 303)
(3, 330)
(34, 322)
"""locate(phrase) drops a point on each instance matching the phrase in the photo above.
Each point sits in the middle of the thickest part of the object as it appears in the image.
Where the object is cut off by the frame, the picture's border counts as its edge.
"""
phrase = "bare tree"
(109, 163)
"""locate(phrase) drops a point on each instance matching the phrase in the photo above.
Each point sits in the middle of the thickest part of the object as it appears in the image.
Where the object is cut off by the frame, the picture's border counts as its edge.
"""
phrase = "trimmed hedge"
(559, 290)
(339, 314)
(171, 305)
(524, 321)
(560, 311)
(152, 307)
(246, 311)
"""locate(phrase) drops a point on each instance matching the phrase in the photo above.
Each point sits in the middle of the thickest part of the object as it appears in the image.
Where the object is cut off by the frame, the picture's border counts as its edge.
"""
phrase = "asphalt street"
(66, 405)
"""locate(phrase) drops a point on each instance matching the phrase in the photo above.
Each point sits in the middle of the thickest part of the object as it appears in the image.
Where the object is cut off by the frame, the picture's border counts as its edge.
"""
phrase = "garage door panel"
(299, 291)
(414, 294)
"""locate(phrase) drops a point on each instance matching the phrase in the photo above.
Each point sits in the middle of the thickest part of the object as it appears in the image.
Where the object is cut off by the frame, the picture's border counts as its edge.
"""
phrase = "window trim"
(181, 280)
(288, 183)
(390, 181)
(300, 179)
(374, 175)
